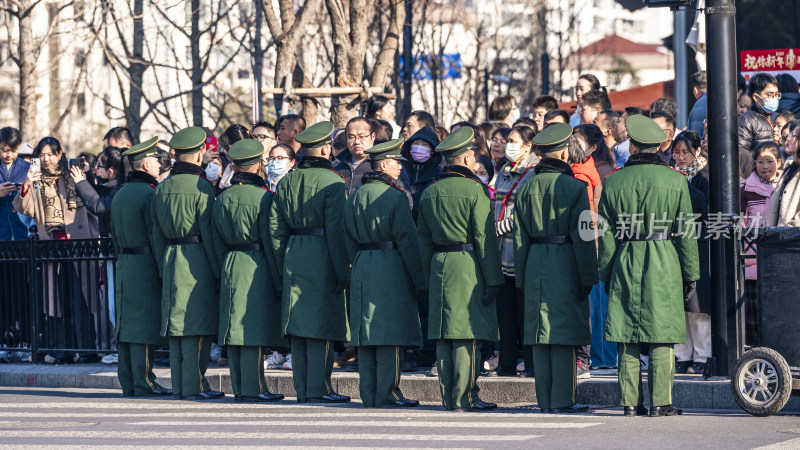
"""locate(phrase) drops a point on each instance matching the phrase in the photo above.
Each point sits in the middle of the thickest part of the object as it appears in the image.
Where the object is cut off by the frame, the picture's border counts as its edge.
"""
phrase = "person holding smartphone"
(109, 173)
(13, 171)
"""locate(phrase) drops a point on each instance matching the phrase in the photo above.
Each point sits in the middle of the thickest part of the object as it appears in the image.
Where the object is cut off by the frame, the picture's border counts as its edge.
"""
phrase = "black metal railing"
(56, 296)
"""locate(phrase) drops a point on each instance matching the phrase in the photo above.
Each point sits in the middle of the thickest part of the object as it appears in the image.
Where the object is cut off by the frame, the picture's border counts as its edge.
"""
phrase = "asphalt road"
(101, 418)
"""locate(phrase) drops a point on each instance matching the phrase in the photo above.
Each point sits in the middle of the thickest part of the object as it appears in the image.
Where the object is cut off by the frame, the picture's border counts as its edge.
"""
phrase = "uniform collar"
(185, 168)
(458, 171)
(315, 162)
(553, 165)
(253, 179)
(645, 158)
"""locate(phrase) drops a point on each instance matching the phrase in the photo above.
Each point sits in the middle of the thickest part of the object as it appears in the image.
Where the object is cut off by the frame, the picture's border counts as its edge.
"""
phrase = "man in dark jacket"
(360, 137)
(13, 171)
(754, 126)
(422, 164)
(697, 115)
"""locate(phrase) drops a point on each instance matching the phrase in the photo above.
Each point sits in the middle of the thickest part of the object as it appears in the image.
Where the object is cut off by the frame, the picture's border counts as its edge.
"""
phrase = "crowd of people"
(287, 212)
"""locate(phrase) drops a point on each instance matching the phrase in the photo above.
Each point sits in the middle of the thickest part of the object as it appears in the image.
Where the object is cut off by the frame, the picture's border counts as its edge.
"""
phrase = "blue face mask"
(771, 104)
(515, 115)
(277, 168)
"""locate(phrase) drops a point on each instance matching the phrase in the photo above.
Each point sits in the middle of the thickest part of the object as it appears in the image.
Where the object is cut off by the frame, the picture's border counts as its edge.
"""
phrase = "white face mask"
(421, 153)
(513, 151)
(484, 180)
(277, 168)
(515, 115)
(212, 172)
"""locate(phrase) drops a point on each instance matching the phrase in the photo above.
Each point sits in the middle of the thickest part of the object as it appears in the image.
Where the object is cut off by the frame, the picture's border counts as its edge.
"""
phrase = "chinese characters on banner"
(786, 60)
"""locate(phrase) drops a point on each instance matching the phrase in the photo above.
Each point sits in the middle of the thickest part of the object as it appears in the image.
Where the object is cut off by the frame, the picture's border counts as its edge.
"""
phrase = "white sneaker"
(491, 363)
(49, 359)
(275, 361)
(288, 364)
(216, 352)
(111, 358)
(521, 366)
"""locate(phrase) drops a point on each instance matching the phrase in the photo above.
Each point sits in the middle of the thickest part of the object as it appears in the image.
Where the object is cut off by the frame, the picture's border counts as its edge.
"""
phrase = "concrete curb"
(690, 391)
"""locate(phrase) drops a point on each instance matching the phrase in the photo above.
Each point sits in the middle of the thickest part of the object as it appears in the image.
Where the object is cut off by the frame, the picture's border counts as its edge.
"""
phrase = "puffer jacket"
(754, 128)
(421, 175)
(754, 198)
(11, 225)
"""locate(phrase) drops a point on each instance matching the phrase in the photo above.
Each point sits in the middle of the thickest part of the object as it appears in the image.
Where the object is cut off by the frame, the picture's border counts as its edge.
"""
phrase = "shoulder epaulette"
(211, 182)
(337, 173)
(676, 170)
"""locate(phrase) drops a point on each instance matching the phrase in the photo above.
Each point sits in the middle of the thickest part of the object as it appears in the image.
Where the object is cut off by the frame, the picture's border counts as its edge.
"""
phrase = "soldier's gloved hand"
(490, 295)
(422, 295)
(688, 289)
(344, 284)
(585, 291)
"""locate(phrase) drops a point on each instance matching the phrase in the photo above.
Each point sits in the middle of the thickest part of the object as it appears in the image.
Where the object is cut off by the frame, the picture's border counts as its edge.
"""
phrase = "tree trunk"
(349, 48)
(27, 76)
(391, 42)
(197, 67)
(136, 70)
(258, 64)
(283, 66)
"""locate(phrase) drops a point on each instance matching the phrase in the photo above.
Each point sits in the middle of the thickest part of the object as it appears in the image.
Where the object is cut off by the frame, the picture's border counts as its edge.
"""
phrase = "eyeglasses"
(771, 95)
(498, 141)
(359, 138)
(263, 137)
(279, 158)
(766, 162)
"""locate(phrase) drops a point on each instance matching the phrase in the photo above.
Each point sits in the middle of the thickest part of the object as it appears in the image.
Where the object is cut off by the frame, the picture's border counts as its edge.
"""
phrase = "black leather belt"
(647, 237)
(454, 248)
(185, 240)
(308, 231)
(246, 248)
(385, 245)
(136, 251)
(551, 240)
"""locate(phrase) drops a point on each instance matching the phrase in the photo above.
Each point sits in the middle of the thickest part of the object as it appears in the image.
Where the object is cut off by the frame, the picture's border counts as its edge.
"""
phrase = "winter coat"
(11, 226)
(645, 278)
(311, 197)
(503, 204)
(456, 210)
(700, 301)
(137, 284)
(181, 209)
(249, 301)
(383, 308)
(754, 128)
(754, 198)
(421, 175)
(790, 101)
(697, 115)
(551, 275)
(98, 202)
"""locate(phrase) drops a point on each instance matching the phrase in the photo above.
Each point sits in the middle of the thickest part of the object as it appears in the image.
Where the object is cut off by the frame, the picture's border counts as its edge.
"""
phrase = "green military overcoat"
(551, 204)
(182, 208)
(645, 303)
(249, 297)
(383, 309)
(311, 196)
(456, 210)
(137, 284)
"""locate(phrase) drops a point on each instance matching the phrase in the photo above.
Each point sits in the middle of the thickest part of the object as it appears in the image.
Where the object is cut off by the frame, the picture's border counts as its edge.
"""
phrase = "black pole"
(726, 317)
(486, 89)
(408, 58)
(545, 74)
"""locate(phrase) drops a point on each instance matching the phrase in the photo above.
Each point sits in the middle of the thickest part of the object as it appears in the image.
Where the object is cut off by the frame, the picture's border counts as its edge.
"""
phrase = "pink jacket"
(755, 200)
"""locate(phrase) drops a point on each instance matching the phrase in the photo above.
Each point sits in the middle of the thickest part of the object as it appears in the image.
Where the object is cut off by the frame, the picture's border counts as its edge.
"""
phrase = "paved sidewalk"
(691, 391)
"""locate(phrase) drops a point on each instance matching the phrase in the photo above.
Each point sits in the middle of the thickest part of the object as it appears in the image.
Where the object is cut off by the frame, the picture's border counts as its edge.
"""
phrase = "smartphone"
(77, 162)
(211, 144)
(36, 165)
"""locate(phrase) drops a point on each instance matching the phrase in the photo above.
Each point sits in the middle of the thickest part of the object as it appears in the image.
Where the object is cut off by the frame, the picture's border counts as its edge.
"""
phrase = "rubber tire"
(784, 390)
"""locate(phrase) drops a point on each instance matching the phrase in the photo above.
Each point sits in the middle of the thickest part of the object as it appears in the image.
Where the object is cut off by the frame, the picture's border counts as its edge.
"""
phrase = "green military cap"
(316, 135)
(246, 152)
(554, 137)
(143, 150)
(188, 140)
(456, 143)
(644, 132)
(387, 150)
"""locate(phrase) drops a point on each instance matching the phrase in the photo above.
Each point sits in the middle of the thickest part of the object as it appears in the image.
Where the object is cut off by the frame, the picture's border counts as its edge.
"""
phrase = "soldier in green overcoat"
(461, 261)
(306, 223)
(137, 286)
(183, 243)
(249, 303)
(649, 262)
(556, 267)
(387, 278)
